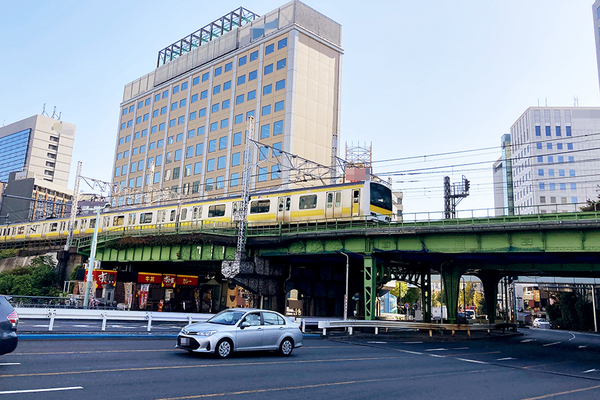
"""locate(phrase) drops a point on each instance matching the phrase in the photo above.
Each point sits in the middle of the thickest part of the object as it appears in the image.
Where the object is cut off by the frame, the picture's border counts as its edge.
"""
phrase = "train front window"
(381, 196)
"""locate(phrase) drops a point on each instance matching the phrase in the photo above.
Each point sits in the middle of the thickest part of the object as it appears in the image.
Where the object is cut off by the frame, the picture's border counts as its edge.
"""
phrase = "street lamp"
(346, 295)
(86, 298)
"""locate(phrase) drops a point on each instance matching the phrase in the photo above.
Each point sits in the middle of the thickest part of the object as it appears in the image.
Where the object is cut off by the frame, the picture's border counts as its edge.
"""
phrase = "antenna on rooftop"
(575, 101)
(44, 110)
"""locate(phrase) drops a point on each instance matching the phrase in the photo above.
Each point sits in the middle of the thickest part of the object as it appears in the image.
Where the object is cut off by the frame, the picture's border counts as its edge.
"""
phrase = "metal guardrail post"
(104, 317)
(51, 315)
(189, 319)
(149, 316)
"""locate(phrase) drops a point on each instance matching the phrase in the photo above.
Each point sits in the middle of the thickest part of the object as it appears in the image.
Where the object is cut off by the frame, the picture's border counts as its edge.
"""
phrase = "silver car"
(241, 329)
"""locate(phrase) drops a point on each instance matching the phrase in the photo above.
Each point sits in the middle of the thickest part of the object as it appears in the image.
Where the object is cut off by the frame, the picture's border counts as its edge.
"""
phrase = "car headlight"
(206, 333)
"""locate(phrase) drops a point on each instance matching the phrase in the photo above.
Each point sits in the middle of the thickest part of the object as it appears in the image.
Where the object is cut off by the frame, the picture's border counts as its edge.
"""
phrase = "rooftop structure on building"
(555, 156)
(182, 126)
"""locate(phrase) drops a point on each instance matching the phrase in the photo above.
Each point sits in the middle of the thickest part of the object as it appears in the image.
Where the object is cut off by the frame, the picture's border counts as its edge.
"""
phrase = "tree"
(39, 278)
(571, 311)
(592, 205)
(400, 290)
(411, 296)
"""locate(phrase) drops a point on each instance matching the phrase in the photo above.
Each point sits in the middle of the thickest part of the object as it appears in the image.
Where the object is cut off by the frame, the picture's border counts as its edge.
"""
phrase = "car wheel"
(224, 348)
(286, 347)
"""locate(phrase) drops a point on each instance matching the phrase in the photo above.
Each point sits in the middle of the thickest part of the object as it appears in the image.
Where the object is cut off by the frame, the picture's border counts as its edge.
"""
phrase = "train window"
(216, 211)
(172, 217)
(356, 196)
(53, 227)
(308, 202)
(329, 200)
(196, 214)
(118, 220)
(235, 206)
(62, 226)
(338, 199)
(34, 228)
(260, 206)
(184, 213)
(20, 230)
(92, 223)
(106, 221)
(75, 226)
(131, 219)
(146, 218)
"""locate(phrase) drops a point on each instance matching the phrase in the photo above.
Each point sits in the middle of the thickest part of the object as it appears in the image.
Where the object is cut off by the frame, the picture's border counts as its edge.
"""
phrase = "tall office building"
(503, 185)
(186, 119)
(40, 145)
(555, 159)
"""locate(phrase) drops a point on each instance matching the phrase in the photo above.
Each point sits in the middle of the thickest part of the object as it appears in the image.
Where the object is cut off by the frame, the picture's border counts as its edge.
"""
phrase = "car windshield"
(227, 317)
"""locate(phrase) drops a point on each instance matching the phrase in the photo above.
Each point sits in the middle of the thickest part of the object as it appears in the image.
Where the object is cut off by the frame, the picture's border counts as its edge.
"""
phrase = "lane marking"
(410, 352)
(228, 365)
(318, 385)
(543, 365)
(436, 350)
(412, 342)
(506, 359)
(471, 354)
(91, 352)
(562, 393)
(437, 355)
(42, 390)
(582, 347)
(461, 348)
(572, 334)
(550, 344)
(589, 370)
(472, 361)
(528, 340)
(2, 364)
(374, 342)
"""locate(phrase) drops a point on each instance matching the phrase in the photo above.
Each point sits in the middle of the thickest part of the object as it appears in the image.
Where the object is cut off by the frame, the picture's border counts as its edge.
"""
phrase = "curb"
(69, 336)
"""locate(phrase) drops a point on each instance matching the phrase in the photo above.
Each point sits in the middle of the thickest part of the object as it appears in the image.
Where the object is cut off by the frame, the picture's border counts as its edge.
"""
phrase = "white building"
(555, 159)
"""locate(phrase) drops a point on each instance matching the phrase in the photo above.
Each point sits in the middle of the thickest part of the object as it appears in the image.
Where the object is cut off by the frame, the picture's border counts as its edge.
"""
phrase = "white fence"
(378, 324)
(105, 315)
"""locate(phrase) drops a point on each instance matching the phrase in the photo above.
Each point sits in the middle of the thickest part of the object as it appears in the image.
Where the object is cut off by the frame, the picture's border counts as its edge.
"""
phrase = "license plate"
(184, 341)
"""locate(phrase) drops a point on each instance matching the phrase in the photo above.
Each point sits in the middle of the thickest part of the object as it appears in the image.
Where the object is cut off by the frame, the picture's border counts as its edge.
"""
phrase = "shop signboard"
(103, 277)
(168, 281)
(144, 296)
(187, 280)
(144, 277)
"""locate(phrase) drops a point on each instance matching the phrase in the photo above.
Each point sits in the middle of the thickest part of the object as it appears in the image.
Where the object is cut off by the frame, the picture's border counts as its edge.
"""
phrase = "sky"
(423, 82)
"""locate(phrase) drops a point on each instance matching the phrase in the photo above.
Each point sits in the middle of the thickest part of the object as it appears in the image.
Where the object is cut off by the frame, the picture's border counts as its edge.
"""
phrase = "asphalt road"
(536, 365)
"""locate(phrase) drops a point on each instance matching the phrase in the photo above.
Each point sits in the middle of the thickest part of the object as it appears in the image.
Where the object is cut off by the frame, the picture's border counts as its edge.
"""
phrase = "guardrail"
(351, 324)
(105, 315)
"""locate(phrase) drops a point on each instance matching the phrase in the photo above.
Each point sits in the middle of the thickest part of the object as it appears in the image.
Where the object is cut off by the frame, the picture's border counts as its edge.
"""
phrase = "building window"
(174, 106)
(131, 108)
(192, 116)
(126, 154)
(540, 172)
(217, 89)
(205, 77)
(194, 98)
(210, 165)
(571, 172)
(176, 173)
(158, 162)
(542, 186)
(281, 44)
(263, 153)
(540, 159)
(549, 146)
(187, 170)
(227, 85)
(209, 187)
(225, 104)
(265, 131)
(550, 172)
(280, 85)
(202, 112)
(275, 172)
(156, 177)
(254, 56)
(215, 108)
(212, 145)
(237, 139)
(239, 99)
(184, 86)
(268, 69)
(550, 159)
(214, 126)
(163, 110)
(157, 97)
(561, 159)
(223, 143)
(195, 81)
(267, 89)
(252, 75)
(569, 146)
(172, 123)
(235, 159)
(568, 130)
(165, 94)
(266, 110)
(142, 148)
(281, 64)
(224, 123)
(221, 162)
(251, 95)
(558, 131)
(563, 186)
(154, 113)
(159, 143)
(561, 172)
(218, 71)
(538, 146)
(250, 114)
(182, 103)
(200, 131)
(242, 61)
(241, 79)
(169, 157)
(189, 152)
(198, 168)
(552, 187)
(277, 149)
(277, 128)
(573, 186)
(279, 106)
(270, 48)
(179, 137)
(203, 94)
(262, 174)
(161, 127)
(548, 131)
(181, 120)
(220, 182)
(235, 179)
(175, 89)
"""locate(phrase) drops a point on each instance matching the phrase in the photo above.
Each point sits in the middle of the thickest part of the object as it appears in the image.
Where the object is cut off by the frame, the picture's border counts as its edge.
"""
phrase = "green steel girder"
(184, 252)
(451, 280)
(370, 270)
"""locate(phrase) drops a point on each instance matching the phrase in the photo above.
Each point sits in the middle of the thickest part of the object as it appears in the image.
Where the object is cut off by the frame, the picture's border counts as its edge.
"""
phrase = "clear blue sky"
(419, 77)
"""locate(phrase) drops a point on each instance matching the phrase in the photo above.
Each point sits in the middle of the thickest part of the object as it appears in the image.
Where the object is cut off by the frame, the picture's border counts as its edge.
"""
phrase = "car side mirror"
(245, 324)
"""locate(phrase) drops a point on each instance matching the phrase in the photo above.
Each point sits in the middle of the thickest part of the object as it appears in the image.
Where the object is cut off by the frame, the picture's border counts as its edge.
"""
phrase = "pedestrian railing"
(377, 325)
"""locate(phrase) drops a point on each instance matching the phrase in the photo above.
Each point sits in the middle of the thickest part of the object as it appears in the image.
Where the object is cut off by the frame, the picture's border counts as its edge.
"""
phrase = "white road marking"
(550, 344)
(412, 342)
(572, 334)
(505, 359)
(41, 390)
(436, 350)
(40, 326)
(528, 340)
(412, 352)
(437, 355)
(461, 348)
(84, 326)
(582, 347)
(471, 361)
(375, 342)
(2, 364)
(588, 371)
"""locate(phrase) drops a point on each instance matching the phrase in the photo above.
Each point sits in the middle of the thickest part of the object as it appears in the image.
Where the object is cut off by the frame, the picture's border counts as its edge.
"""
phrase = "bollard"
(104, 315)
(189, 319)
(149, 316)
(303, 321)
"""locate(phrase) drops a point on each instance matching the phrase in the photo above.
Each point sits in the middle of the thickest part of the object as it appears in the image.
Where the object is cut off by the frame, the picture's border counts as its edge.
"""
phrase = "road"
(537, 365)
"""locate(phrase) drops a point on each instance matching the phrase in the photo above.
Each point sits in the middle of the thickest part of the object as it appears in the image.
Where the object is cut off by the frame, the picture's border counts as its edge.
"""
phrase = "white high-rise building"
(555, 159)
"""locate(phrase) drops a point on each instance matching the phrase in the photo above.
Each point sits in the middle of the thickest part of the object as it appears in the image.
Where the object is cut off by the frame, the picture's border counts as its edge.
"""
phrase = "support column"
(490, 291)
(370, 269)
(450, 275)
(426, 295)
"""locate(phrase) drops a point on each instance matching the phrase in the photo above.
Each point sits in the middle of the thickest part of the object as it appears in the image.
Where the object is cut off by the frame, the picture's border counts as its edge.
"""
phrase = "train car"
(347, 201)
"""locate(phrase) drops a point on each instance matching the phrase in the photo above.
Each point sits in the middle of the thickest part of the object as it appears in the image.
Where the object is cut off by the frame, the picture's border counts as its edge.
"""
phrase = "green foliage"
(39, 278)
(8, 253)
(411, 296)
(400, 290)
(73, 274)
(571, 312)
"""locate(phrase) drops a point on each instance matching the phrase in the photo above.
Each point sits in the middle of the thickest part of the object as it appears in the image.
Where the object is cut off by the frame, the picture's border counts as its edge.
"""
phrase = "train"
(363, 199)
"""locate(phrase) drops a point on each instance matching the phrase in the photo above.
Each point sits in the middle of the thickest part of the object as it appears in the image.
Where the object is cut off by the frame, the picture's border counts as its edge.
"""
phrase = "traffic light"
(467, 185)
